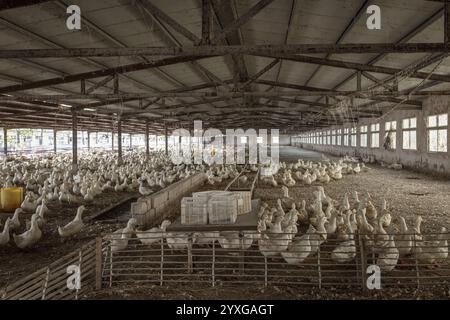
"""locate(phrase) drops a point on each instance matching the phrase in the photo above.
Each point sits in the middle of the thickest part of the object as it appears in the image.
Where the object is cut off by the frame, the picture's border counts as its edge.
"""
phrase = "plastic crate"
(204, 196)
(244, 201)
(223, 208)
(193, 213)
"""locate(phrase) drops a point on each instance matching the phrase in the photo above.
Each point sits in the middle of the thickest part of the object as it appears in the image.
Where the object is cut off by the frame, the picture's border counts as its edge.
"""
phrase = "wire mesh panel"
(409, 260)
(316, 260)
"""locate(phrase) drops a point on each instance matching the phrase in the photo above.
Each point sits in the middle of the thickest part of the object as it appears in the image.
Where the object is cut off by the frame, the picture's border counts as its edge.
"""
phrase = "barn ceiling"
(287, 64)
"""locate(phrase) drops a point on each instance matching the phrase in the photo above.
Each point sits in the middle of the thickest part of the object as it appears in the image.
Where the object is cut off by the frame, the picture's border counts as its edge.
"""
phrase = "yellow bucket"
(11, 198)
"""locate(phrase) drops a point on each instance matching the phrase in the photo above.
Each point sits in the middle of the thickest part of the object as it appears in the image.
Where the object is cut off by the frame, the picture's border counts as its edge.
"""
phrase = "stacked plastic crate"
(214, 207)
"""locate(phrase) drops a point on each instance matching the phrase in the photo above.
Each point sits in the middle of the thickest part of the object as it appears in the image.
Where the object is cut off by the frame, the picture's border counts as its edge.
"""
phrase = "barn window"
(363, 136)
(390, 136)
(437, 126)
(409, 127)
(353, 137)
(339, 137)
(346, 131)
(375, 135)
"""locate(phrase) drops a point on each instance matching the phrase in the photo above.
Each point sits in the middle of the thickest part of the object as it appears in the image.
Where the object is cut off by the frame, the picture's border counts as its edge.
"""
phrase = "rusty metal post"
(447, 22)
(363, 263)
(74, 140)
(119, 141)
(166, 139)
(98, 263)
(5, 141)
(147, 142)
(55, 144)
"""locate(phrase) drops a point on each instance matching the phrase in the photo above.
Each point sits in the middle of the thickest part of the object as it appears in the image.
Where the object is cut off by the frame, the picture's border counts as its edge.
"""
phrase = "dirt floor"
(200, 292)
(16, 263)
(407, 193)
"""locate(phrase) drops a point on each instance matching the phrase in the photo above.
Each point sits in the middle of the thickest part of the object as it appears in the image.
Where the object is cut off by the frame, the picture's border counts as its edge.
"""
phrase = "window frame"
(374, 130)
(363, 132)
(438, 127)
(409, 130)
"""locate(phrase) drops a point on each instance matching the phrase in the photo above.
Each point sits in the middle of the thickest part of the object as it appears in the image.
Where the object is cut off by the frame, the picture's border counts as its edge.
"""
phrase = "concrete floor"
(288, 153)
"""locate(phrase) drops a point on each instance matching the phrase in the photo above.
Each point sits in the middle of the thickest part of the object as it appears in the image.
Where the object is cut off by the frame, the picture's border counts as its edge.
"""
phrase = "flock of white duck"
(388, 240)
(308, 172)
(48, 179)
(278, 228)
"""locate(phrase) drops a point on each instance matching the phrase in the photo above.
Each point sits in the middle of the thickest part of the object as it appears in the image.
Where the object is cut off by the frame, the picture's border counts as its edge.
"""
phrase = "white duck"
(143, 190)
(299, 249)
(388, 256)
(28, 204)
(29, 237)
(205, 238)
(432, 252)
(320, 235)
(153, 235)
(119, 239)
(404, 240)
(73, 227)
(345, 251)
(177, 240)
(41, 210)
(277, 240)
(89, 196)
(232, 240)
(4, 236)
(15, 222)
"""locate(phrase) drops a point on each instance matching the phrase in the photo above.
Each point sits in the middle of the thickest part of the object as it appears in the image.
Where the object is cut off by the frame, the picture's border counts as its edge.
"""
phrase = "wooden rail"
(50, 282)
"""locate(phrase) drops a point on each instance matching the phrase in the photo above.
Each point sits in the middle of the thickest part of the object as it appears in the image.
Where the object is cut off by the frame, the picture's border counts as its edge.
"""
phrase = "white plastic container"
(193, 213)
(204, 196)
(244, 201)
(223, 208)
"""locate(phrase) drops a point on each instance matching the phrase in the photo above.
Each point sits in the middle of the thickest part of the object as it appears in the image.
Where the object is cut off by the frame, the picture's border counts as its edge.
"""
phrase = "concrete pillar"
(74, 140)
(112, 140)
(147, 142)
(5, 141)
(119, 141)
(131, 140)
(89, 140)
(55, 144)
(166, 139)
(421, 135)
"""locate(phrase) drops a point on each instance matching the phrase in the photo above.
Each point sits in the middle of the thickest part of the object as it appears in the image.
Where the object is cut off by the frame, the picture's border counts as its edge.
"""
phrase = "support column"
(89, 140)
(74, 140)
(166, 139)
(112, 140)
(119, 141)
(447, 22)
(147, 142)
(206, 22)
(5, 141)
(358, 81)
(131, 140)
(55, 145)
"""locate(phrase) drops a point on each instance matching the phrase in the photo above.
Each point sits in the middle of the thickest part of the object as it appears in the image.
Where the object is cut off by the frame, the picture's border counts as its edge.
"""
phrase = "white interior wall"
(420, 159)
